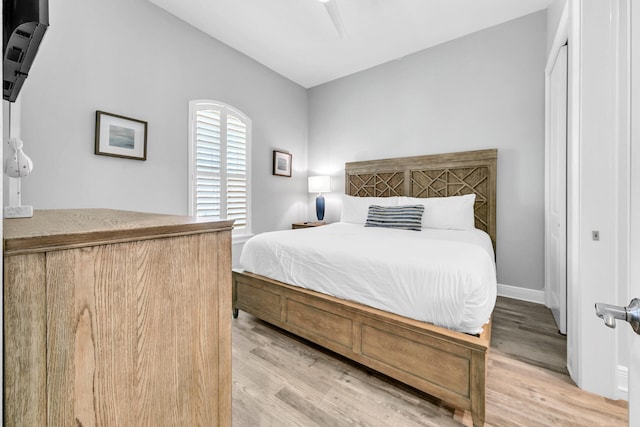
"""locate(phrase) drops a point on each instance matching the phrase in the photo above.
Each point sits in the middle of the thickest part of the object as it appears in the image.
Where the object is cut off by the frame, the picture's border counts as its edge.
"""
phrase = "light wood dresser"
(116, 318)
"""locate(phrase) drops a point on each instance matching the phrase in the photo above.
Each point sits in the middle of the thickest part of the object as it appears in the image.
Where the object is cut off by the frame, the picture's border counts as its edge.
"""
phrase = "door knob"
(630, 313)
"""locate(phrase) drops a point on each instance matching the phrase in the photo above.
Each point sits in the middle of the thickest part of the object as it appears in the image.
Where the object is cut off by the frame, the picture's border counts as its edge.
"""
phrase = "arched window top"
(217, 105)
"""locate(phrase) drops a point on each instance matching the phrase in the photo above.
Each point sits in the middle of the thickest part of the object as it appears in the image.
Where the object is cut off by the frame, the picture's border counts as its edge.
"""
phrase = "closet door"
(556, 203)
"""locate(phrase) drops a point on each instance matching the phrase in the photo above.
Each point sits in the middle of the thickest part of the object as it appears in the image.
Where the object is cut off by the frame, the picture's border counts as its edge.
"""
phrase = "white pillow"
(355, 209)
(448, 213)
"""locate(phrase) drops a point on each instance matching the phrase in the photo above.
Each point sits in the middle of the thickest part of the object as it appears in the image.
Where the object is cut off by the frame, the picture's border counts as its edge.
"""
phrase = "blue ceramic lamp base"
(320, 207)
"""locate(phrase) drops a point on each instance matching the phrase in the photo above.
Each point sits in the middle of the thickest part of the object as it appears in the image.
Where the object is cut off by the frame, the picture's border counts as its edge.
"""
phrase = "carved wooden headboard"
(439, 175)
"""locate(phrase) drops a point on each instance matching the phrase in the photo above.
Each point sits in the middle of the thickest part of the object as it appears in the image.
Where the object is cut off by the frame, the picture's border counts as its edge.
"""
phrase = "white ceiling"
(297, 38)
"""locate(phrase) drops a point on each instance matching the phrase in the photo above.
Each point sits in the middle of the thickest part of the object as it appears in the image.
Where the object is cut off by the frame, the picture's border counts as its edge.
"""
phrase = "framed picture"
(281, 163)
(120, 136)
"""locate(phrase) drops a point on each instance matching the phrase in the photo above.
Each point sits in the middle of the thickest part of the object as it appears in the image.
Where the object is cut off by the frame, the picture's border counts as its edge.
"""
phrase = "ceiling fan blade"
(334, 14)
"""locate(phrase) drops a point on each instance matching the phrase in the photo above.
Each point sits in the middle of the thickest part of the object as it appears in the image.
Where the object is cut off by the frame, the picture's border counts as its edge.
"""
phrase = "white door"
(634, 277)
(634, 253)
(634, 347)
(556, 203)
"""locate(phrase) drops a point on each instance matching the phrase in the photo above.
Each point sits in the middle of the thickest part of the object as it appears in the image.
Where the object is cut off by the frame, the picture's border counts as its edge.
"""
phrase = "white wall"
(485, 90)
(131, 58)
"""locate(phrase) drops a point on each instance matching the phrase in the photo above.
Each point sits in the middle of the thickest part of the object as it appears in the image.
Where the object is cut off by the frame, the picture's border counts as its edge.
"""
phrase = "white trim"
(523, 294)
(560, 39)
(240, 238)
(622, 179)
(574, 242)
(633, 285)
(191, 157)
(622, 383)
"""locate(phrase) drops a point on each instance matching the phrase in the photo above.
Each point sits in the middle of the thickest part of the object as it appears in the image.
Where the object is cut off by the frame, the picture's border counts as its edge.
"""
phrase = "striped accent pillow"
(407, 217)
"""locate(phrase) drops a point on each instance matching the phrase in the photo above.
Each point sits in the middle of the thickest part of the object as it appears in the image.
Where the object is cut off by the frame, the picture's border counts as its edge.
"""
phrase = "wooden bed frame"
(449, 365)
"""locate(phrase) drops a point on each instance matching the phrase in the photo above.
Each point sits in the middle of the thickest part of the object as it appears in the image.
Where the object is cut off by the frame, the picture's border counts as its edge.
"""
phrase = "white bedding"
(444, 277)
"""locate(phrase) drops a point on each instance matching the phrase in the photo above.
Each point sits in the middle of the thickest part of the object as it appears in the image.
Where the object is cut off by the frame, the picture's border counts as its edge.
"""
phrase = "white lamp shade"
(319, 184)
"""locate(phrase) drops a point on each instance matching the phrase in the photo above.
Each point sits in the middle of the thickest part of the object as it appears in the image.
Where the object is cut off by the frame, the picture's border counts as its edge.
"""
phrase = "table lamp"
(319, 184)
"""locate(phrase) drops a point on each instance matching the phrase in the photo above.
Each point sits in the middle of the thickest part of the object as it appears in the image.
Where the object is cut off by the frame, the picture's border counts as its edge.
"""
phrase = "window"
(219, 150)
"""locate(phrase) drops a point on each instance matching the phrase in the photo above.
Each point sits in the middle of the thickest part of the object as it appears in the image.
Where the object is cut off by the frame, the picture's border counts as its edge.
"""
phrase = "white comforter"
(444, 277)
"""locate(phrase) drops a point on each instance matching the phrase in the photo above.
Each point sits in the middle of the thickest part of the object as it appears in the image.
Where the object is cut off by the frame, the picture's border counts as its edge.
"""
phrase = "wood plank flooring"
(281, 380)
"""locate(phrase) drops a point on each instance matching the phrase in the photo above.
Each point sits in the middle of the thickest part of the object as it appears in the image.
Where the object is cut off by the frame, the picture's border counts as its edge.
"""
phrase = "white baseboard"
(622, 383)
(523, 294)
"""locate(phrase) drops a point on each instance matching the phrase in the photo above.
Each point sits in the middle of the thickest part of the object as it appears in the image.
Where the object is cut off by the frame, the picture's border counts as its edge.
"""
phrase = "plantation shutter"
(236, 170)
(208, 164)
(221, 178)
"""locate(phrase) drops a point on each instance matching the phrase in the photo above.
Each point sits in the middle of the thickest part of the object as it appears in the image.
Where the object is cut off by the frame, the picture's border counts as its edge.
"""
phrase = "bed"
(443, 362)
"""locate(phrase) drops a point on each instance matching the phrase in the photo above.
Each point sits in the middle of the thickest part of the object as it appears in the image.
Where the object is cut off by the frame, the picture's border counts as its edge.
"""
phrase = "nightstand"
(308, 224)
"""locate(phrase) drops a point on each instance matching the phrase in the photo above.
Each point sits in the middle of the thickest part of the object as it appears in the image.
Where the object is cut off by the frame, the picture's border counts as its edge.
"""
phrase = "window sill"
(240, 238)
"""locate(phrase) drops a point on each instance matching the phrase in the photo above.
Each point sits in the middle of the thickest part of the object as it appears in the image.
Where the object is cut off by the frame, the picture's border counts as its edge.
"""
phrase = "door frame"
(565, 35)
(634, 268)
(596, 270)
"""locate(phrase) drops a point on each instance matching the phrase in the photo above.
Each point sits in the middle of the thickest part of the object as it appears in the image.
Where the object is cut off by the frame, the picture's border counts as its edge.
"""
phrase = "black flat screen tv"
(24, 24)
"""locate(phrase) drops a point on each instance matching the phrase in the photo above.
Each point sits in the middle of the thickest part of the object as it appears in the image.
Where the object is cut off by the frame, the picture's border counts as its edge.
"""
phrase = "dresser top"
(71, 228)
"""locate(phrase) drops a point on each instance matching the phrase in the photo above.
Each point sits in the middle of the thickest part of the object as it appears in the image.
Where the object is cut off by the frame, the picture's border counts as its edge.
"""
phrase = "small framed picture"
(120, 136)
(281, 163)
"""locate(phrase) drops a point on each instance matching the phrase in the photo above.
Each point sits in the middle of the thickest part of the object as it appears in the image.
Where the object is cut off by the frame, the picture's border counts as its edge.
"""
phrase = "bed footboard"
(448, 365)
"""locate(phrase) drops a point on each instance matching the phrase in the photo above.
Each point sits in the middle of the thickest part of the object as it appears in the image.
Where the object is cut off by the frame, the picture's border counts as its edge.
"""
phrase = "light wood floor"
(280, 380)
